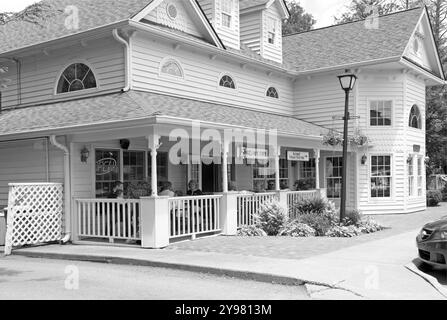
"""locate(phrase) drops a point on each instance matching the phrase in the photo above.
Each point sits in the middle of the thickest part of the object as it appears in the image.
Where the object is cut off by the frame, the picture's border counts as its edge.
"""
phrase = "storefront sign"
(105, 166)
(253, 154)
(298, 156)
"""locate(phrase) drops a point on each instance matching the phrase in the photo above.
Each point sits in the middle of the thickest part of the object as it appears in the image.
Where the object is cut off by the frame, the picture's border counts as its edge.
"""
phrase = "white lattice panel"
(34, 214)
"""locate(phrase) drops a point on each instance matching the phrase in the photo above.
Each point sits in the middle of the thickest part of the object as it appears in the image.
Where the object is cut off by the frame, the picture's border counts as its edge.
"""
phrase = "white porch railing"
(248, 205)
(296, 196)
(111, 219)
(191, 216)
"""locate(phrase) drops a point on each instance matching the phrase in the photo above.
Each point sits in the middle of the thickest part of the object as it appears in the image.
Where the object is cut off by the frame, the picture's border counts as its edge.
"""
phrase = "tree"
(362, 9)
(299, 20)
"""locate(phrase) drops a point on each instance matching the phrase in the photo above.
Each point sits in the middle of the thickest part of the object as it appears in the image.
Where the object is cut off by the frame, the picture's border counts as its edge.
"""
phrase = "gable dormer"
(261, 27)
(224, 16)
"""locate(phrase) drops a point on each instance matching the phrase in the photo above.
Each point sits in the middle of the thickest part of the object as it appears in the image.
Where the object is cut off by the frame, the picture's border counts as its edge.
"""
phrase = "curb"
(430, 279)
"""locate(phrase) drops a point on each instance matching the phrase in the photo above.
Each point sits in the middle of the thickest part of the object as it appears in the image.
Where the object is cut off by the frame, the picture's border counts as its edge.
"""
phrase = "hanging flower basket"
(332, 138)
(358, 139)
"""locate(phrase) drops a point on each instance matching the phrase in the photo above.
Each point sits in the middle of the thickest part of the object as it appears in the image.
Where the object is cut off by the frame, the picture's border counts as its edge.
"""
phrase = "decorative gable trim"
(198, 10)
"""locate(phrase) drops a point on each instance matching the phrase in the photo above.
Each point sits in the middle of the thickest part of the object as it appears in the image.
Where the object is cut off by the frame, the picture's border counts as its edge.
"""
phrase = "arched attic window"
(77, 76)
(272, 93)
(227, 82)
(172, 68)
(415, 120)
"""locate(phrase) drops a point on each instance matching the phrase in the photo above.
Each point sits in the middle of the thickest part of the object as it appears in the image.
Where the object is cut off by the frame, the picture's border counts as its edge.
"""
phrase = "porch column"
(225, 151)
(277, 151)
(317, 168)
(154, 144)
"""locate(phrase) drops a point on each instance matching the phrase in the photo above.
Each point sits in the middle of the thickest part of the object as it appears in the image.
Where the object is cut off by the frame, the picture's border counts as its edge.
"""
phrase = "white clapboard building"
(95, 92)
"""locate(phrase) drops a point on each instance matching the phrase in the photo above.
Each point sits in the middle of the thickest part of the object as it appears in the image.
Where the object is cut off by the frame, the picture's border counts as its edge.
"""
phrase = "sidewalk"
(372, 270)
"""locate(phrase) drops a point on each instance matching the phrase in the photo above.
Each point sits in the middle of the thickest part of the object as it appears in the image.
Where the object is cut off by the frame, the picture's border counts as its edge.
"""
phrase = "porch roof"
(138, 105)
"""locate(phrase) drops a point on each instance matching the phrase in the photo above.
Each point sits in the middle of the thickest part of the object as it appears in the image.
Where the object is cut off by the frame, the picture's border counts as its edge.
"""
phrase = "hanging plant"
(332, 138)
(358, 138)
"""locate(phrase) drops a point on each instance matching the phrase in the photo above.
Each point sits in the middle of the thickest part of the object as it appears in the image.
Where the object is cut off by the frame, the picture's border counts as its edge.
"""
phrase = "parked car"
(432, 243)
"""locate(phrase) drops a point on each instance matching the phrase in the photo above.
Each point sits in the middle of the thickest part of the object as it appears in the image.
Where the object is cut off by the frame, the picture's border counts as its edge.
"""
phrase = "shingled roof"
(351, 43)
(135, 105)
(46, 20)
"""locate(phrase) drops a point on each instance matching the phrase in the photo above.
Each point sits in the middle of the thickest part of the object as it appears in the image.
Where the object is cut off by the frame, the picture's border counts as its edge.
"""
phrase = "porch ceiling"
(125, 108)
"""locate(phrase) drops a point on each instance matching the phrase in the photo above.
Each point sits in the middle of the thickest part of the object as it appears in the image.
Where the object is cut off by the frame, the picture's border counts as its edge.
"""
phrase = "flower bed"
(309, 218)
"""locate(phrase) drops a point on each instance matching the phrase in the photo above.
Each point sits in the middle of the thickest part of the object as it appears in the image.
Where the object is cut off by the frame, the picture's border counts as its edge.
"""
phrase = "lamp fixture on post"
(85, 153)
(364, 159)
(347, 82)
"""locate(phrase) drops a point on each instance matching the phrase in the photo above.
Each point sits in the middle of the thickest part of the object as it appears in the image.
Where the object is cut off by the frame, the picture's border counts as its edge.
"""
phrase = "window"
(380, 176)
(162, 166)
(380, 113)
(410, 166)
(307, 169)
(272, 93)
(227, 12)
(263, 175)
(334, 168)
(172, 67)
(421, 166)
(415, 118)
(133, 167)
(77, 76)
(107, 171)
(271, 31)
(227, 82)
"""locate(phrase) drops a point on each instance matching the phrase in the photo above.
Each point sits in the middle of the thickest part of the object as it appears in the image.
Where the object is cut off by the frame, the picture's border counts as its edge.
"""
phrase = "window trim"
(381, 199)
(221, 75)
(79, 92)
(167, 75)
(421, 119)
(421, 176)
(277, 37)
(368, 111)
(230, 14)
(268, 88)
(412, 194)
(325, 177)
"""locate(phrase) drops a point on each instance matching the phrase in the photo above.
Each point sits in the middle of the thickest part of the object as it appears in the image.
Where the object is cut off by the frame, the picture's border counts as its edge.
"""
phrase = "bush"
(315, 205)
(353, 218)
(305, 184)
(251, 231)
(433, 198)
(444, 193)
(343, 231)
(271, 218)
(297, 229)
(369, 226)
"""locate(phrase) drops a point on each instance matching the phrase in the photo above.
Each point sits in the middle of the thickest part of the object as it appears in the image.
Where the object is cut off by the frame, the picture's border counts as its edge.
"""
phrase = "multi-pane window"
(415, 118)
(133, 167)
(410, 166)
(172, 68)
(264, 175)
(227, 82)
(107, 171)
(381, 176)
(77, 76)
(272, 93)
(334, 171)
(272, 31)
(380, 113)
(420, 176)
(227, 12)
(307, 169)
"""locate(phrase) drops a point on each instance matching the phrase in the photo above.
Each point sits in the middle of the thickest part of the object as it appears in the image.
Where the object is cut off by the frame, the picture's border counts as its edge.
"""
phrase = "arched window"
(172, 68)
(415, 118)
(227, 82)
(272, 93)
(77, 76)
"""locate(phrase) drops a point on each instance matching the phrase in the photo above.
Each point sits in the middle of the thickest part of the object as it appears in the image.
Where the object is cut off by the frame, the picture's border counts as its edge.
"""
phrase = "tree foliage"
(299, 20)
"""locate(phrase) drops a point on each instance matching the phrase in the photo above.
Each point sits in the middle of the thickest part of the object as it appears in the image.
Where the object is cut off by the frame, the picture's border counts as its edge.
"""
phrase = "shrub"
(320, 223)
(369, 225)
(305, 184)
(343, 231)
(444, 193)
(297, 229)
(315, 205)
(251, 231)
(433, 198)
(353, 218)
(271, 218)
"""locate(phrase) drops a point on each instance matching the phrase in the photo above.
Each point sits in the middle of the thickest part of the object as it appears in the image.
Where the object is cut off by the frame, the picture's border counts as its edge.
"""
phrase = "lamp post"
(347, 82)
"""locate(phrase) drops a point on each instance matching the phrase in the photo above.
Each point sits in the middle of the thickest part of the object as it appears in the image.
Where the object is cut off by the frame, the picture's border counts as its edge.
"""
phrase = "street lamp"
(347, 82)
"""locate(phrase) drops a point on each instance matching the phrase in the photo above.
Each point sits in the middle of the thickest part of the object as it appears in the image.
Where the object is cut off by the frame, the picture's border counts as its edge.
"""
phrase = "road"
(27, 278)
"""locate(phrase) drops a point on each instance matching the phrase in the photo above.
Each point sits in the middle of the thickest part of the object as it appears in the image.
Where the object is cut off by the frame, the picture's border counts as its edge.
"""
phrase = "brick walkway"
(300, 248)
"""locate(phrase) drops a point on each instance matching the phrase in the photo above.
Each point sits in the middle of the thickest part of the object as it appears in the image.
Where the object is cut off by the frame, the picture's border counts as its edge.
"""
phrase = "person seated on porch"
(271, 186)
(117, 189)
(194, 189)
(166, 190)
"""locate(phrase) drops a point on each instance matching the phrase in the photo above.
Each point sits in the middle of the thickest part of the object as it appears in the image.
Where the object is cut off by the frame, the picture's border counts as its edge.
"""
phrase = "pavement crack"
(331, 286)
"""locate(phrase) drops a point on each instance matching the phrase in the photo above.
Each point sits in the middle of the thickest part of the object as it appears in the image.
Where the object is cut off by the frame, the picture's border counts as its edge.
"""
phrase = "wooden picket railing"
(296, 196)
(248, 205)
(192, 216)
(111, 219)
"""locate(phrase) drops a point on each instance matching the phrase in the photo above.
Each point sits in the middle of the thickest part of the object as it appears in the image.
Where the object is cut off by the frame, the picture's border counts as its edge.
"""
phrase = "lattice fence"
(34, 214)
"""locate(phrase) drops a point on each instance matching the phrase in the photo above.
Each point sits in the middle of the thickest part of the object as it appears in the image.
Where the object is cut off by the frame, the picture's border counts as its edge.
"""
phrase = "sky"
(322, 10)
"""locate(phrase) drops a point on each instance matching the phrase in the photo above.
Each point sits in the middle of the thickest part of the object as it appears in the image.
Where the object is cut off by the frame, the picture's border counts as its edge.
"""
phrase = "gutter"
(127, 58)
(67, 191)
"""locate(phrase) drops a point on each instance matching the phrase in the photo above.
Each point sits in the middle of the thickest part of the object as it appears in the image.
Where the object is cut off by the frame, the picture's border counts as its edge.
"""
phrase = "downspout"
(127, 58)
(67, 191)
